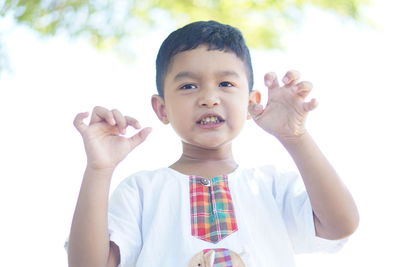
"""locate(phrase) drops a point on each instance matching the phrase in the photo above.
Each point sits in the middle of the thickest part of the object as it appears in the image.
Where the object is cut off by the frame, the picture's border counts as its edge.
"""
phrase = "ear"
(209, 258)
(254, 98)
(158, 104)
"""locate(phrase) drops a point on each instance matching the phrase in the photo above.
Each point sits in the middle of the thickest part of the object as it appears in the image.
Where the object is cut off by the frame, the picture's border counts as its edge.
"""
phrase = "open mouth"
(210, 119)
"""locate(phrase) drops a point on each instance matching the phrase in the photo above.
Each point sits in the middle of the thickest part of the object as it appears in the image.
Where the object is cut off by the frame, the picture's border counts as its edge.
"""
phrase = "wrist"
(293, 139)
(93, 171)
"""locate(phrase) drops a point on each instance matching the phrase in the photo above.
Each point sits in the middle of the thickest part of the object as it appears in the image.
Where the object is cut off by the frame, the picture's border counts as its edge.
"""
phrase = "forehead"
(203, 61)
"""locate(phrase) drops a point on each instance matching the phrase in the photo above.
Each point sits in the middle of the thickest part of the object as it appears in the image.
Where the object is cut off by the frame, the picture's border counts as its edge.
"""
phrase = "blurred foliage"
(106, 22)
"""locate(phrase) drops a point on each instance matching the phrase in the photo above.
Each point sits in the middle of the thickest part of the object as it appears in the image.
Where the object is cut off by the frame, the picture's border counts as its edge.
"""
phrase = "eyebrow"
(184, 74)
(188, 74)
(228, 73)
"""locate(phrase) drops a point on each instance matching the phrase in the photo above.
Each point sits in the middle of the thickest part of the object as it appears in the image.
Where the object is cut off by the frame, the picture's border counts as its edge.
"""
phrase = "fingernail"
(286, 80)
(268, 83)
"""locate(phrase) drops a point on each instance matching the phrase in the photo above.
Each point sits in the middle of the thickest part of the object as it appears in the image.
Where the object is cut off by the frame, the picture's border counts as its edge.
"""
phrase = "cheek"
(239, 114)
(241, 106)
(178, 114)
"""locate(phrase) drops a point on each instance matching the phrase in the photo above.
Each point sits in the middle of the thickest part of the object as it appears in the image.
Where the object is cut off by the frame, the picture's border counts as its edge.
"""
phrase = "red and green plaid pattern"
(211, 208)
(222, 257)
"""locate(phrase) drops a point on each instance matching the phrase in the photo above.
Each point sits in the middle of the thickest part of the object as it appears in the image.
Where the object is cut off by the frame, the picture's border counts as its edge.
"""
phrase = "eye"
(188, 86)
(225, 84)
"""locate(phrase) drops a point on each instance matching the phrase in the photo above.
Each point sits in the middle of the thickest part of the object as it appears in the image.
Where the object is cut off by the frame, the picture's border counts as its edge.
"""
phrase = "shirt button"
(205, 182)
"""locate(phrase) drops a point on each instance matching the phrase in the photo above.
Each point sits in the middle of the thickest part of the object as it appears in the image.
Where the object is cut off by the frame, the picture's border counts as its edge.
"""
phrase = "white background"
(355, 72)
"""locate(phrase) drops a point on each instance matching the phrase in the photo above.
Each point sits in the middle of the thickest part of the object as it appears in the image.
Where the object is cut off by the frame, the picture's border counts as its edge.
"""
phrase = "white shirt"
(150, 220)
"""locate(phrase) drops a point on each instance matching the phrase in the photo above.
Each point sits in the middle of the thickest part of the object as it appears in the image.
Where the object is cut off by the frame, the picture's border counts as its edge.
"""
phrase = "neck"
(199, 154)
(205, 162)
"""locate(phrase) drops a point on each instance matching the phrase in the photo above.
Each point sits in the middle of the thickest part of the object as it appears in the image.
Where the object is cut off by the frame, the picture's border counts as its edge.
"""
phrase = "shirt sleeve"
(124, 221)
(294, 204)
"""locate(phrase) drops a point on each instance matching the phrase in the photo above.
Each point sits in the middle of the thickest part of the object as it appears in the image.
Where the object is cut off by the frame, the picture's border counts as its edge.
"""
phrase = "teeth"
(209, 120)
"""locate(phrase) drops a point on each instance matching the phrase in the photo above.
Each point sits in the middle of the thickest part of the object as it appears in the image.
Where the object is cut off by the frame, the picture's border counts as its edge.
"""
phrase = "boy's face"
(206, 97)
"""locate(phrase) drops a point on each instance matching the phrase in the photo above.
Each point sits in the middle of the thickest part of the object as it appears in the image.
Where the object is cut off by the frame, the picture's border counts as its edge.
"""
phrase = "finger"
(78, 121)
(291, 77)
(255, 110)
(311, 105)
(120, 120)
(302, 89)
(138, 138)
(102, 114)
(133, 122)
(271, 80)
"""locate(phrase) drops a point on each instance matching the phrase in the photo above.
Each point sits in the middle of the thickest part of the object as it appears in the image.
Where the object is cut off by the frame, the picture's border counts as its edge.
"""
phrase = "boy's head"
(214, 35)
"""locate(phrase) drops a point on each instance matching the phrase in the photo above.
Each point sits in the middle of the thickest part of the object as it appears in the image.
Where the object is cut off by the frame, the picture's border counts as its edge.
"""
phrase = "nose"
(209, 99)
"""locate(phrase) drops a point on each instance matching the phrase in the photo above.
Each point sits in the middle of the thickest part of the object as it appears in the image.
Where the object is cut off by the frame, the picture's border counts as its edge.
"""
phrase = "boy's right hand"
(103, 138)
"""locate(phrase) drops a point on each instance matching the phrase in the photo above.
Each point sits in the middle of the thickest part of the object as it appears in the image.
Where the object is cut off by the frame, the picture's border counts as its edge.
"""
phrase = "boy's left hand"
(286, 110)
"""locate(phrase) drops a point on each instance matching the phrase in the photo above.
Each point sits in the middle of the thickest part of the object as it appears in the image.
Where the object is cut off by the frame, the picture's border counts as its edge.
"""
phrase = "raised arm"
(335, 213)
(105, 146)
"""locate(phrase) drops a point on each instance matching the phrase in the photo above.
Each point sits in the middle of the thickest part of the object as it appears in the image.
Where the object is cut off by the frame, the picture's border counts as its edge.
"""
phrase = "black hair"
(215, 35)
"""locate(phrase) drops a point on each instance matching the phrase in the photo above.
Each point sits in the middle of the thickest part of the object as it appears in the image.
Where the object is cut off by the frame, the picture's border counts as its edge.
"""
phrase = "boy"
(204, 201)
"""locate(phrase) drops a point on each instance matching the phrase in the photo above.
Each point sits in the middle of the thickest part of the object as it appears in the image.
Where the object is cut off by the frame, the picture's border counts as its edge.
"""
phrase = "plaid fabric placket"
(212, 213)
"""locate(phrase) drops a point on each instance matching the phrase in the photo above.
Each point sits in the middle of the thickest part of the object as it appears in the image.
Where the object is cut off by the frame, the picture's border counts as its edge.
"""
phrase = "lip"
(210, 115)
(210, 125)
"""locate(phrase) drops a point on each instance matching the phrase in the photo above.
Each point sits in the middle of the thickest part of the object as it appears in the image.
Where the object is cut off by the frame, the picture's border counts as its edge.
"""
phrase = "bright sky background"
(354, 69)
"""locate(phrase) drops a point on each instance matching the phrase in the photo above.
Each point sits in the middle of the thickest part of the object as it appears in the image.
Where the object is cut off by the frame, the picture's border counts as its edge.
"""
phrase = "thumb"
(78, 121)
(255, 110)
(138, 138)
